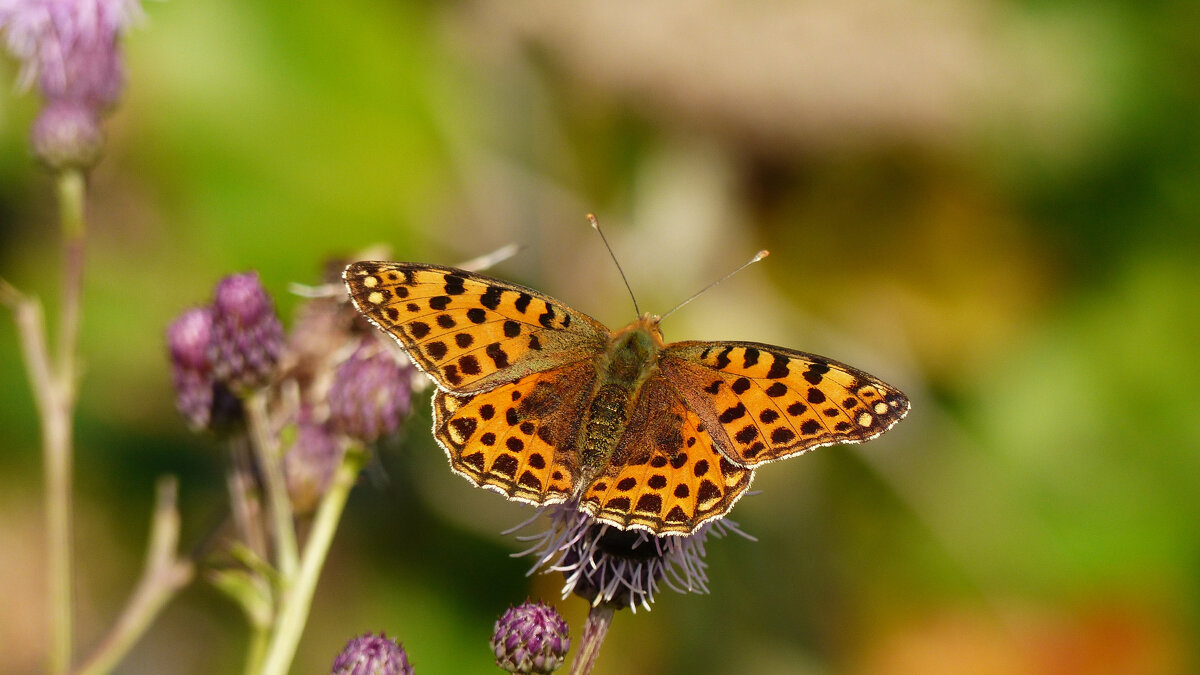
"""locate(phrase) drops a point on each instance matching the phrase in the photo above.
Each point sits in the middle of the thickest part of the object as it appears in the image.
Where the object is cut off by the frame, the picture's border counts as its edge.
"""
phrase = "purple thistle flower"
(247, 336)
(309, 463)
(371, 655)
(70, 47)
(622, 568)
(371, 392)
(530, 638)
(202, 401)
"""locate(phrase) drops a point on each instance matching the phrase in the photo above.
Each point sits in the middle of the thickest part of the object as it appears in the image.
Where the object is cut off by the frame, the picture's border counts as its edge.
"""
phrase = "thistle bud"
(371, 655)
(530, 638)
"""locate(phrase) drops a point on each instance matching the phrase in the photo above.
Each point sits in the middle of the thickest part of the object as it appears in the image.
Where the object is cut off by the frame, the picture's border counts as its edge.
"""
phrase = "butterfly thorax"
(630, 360)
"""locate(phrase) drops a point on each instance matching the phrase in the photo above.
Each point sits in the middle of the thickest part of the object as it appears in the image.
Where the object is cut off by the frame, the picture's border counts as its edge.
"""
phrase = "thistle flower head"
(622, 568)
(69, 46)
(187, 341)
(203, 402)
(372, 655)
(247, 335)
(530, 638)
(310, 462)
(371, 392)
(71, 49)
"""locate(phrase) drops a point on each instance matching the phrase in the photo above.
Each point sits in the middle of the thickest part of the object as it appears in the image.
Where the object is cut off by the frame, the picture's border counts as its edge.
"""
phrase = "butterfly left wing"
(467, 331)
(519, 438)
(764, 403)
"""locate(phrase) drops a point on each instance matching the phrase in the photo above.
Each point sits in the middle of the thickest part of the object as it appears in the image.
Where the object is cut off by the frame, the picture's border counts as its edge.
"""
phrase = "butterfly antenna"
(596, 226)
(757, 256)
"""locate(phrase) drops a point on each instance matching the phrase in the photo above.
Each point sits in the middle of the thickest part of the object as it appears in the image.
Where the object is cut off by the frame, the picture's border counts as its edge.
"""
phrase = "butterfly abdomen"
(606, 420)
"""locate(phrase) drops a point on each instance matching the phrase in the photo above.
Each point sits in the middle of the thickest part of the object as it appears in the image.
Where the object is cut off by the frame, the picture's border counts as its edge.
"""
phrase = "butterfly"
(545, 405)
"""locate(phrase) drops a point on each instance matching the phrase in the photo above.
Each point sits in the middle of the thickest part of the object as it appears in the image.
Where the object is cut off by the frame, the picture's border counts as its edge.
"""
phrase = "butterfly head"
(646, 329)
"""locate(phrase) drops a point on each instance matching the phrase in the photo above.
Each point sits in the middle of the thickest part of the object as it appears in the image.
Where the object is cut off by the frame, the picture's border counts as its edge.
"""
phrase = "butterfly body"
(621, 373)
(545, 405)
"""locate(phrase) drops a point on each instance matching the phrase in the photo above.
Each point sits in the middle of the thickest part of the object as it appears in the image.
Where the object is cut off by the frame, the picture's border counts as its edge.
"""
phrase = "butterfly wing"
(764, 403)
(518, 438)
(665, 475)
(467, 331)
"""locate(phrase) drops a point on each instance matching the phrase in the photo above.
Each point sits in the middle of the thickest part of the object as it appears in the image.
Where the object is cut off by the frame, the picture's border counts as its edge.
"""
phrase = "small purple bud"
(247, 336)
(309, 464)
(530, 638)
(371, 655)
(371, 393)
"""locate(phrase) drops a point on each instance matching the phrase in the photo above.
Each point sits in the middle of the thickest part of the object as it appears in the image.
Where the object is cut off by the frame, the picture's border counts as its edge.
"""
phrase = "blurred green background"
(993, 205)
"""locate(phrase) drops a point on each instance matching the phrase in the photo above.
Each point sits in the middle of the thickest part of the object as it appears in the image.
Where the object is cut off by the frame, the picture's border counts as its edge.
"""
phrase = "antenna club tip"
(761, 254)
(594, 222)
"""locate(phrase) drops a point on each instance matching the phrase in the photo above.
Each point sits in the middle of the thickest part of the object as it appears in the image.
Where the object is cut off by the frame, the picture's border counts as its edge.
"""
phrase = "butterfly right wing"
(467, 331)
(763, 403)
(519, 438)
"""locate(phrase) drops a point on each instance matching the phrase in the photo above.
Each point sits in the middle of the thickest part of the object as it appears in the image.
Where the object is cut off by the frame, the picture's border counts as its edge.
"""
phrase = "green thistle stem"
(297, 599)
(594, 631)
(266, 448)
(56, 407)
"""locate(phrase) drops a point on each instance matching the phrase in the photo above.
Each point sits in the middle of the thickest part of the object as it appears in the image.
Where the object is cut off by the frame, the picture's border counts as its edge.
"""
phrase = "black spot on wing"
(749, 357)
(454, 285)
(497, 355)
(491, 298)
(779, 367)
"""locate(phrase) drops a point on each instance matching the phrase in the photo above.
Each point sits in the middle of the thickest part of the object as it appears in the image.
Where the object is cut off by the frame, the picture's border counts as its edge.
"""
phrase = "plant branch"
(164, 575)
(54, 386)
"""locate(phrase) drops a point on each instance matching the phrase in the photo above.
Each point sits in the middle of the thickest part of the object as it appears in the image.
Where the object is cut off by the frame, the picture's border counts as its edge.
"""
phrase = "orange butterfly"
(545, 405)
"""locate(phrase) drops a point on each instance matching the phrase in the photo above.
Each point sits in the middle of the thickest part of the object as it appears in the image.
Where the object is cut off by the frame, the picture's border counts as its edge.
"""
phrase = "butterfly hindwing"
(764, 403)
(519, 438)
(665, 476)
(467, 331)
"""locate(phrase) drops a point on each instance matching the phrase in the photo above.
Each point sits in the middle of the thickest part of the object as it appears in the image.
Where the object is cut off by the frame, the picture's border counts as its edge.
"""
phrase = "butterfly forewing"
(467, 331)
(764, 403)
(519, 438)
(665, 476)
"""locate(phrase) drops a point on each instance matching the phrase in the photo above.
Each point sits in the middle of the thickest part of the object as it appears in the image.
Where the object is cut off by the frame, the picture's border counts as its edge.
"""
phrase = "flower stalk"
(595, 629)
(266, 450)
(297, 597)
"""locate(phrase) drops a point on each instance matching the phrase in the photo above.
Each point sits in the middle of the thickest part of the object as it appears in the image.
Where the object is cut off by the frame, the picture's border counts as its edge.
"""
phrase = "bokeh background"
(992, 204)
